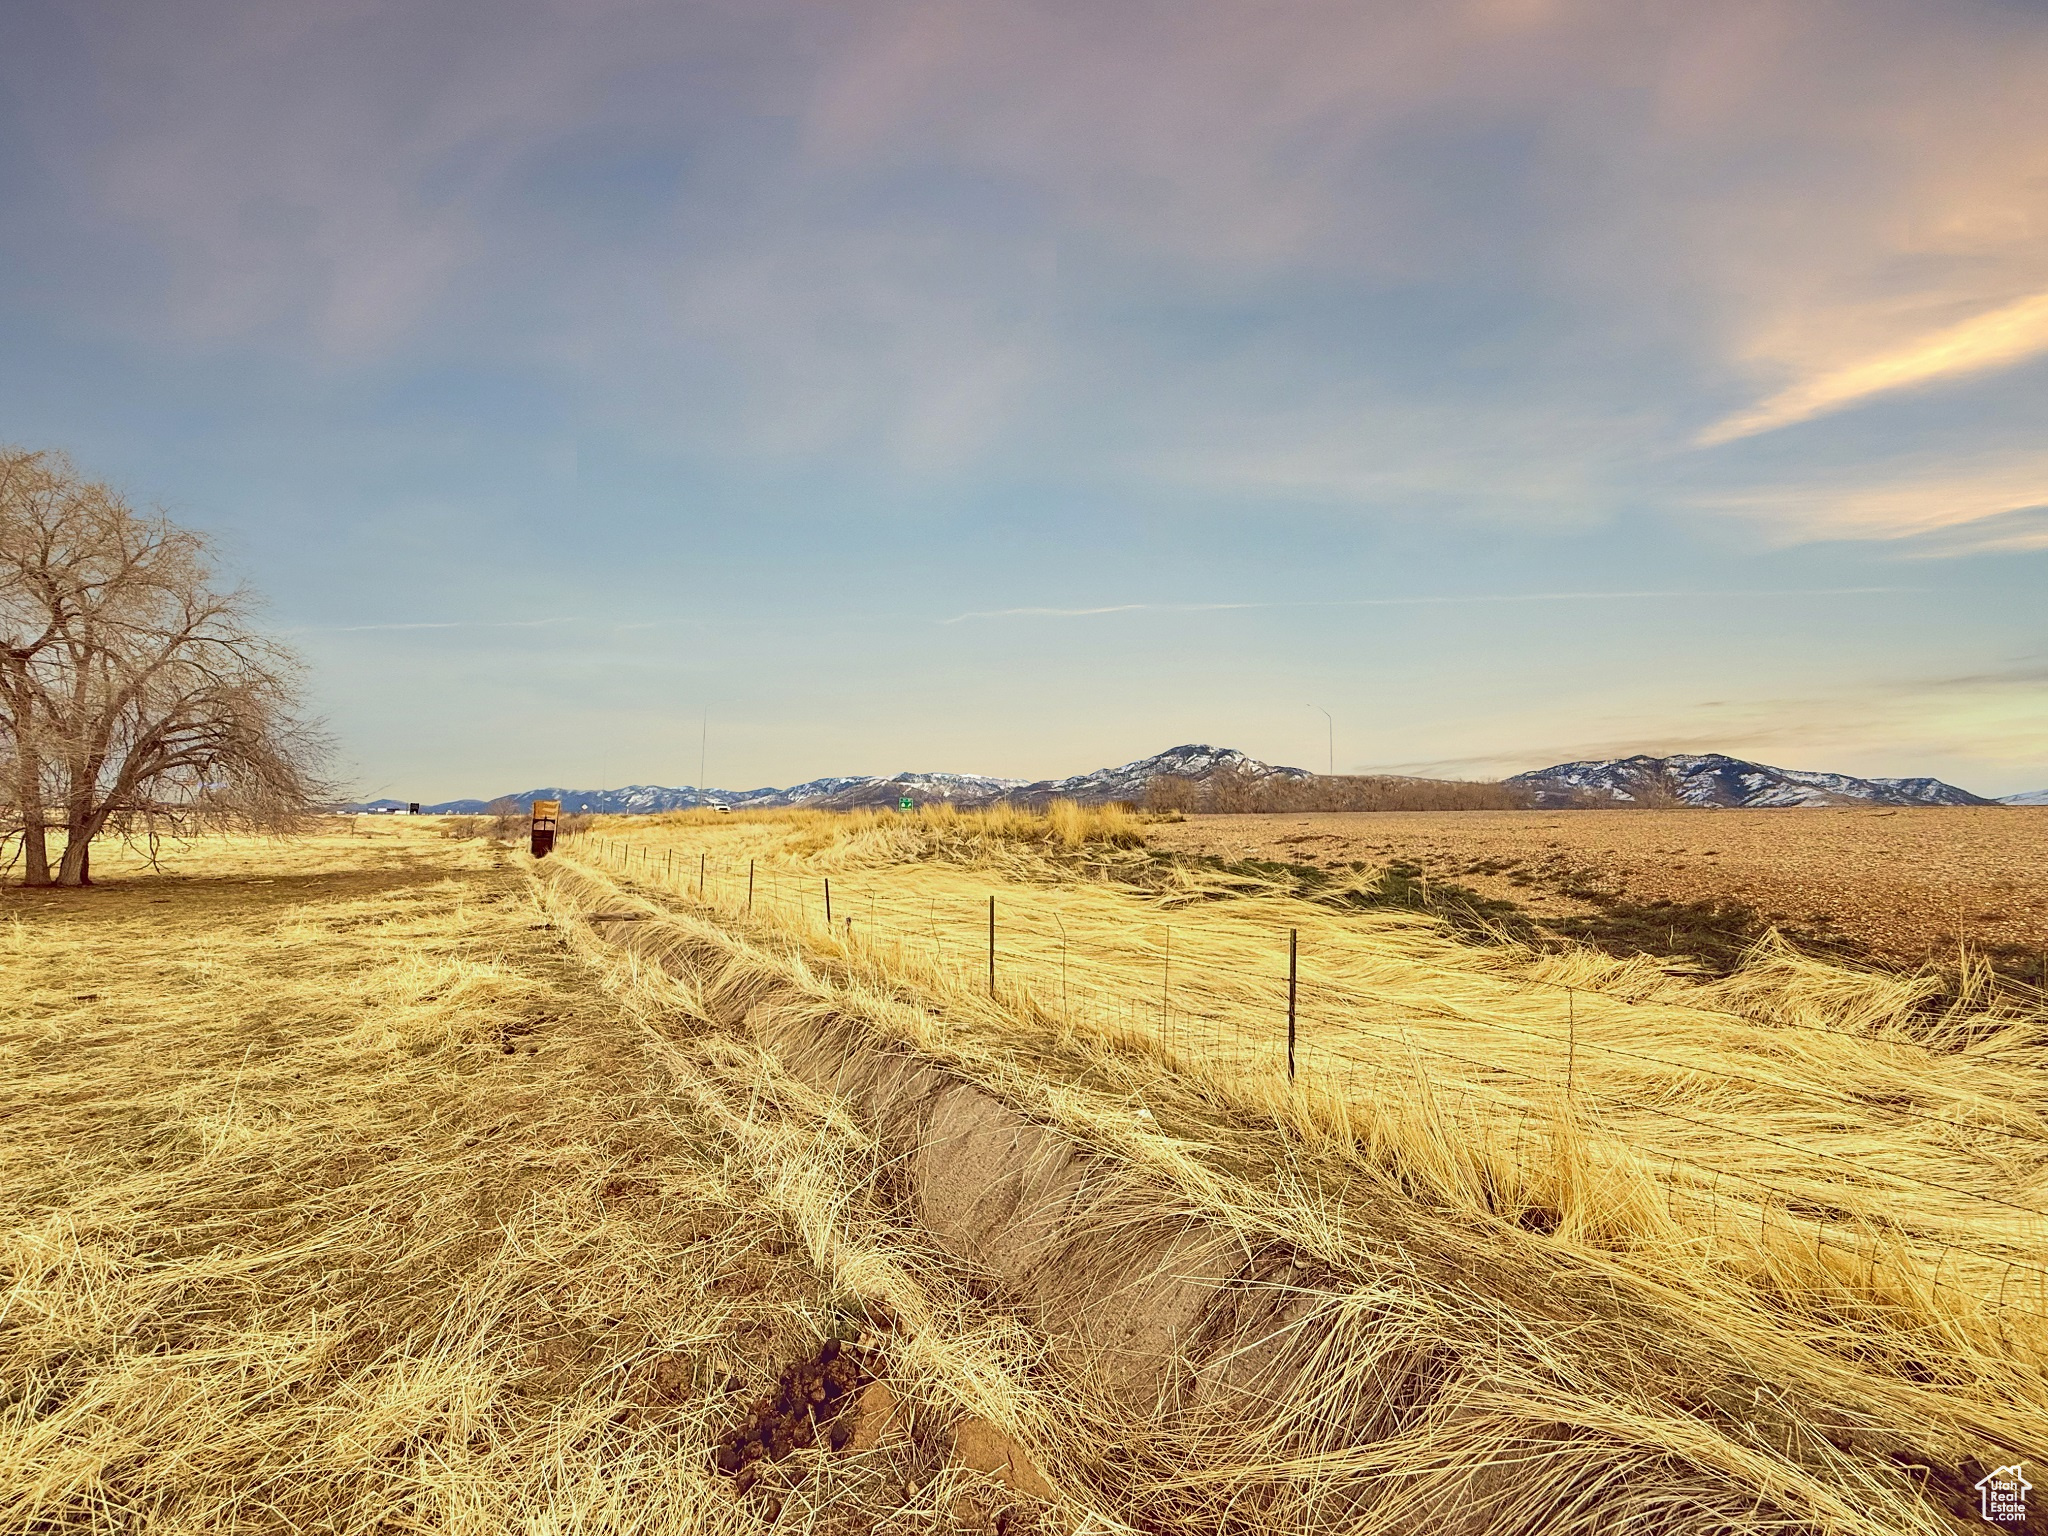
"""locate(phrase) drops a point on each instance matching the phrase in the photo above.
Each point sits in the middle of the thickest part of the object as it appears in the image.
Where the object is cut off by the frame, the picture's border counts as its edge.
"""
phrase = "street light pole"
(1333, 736)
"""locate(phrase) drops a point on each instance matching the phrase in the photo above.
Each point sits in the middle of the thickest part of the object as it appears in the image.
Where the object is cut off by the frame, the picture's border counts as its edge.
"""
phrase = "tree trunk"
(76, 865)
(35, 853)
(35, 846)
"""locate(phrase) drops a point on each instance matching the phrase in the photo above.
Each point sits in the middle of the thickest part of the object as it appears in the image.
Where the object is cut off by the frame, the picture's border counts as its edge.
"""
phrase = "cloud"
(2012, 532)
(1418, 602)
(1082, 613)
(1468, 260)
(1999, 339)
(1988, 725)
(357, 629)
(1952, 513)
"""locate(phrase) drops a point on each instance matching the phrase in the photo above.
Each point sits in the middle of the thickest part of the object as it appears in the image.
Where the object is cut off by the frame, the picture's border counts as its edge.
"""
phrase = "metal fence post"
(1165, 981)
(991, 946)
(1293, 977)
(1571, 1059)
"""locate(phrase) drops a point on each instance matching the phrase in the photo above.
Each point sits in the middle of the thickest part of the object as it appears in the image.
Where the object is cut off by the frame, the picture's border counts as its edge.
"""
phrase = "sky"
(596, 389)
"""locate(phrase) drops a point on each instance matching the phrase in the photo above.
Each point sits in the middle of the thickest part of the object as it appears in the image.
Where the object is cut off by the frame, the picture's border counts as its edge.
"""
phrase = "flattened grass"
(336, 1196)
(1800, 1142)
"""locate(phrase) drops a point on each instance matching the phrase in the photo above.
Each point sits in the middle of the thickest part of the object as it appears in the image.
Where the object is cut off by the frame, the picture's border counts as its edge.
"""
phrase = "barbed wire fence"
(1202, 1009)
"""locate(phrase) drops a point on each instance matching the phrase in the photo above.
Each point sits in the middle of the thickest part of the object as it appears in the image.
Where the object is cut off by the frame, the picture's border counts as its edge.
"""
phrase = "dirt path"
(336, 1194)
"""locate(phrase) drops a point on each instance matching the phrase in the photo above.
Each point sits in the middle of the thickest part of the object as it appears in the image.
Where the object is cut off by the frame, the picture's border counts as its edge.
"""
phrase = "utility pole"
(1333, 736)
(703, 747)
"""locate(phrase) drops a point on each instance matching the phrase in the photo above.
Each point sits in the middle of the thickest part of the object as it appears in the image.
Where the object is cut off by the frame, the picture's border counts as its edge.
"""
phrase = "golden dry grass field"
(339, 1194)
(393, 1182)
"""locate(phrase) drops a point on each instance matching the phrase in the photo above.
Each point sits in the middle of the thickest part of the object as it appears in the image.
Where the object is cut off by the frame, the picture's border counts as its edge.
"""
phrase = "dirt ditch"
(1192, 1331)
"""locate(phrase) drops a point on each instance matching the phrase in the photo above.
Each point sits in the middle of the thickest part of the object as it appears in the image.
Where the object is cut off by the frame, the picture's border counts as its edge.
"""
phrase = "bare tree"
(134, 697)
(1170, 792)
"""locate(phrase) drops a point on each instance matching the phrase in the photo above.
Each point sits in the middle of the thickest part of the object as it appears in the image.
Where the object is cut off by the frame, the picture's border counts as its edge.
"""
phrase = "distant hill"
(1712, 780)
(2031, 797)
(1194, 762)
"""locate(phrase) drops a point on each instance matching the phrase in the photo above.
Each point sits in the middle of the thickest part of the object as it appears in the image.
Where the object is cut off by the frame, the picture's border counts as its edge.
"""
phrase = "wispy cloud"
(2025, 528)
(1959, 512)
(1413, 602)
(1996, 340)
(357, 629)
(1989, 725)
(1082, 613)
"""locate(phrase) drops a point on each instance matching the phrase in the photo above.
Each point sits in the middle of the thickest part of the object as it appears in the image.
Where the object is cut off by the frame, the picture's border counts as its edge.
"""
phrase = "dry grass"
(1797, 1157)
(338, 1195)
(294, 1242)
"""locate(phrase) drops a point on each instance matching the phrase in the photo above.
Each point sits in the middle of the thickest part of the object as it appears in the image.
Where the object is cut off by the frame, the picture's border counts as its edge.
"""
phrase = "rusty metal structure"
(547, 816)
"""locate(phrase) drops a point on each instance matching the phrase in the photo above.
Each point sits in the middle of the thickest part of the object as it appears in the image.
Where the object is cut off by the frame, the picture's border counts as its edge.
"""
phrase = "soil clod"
(807, 1408)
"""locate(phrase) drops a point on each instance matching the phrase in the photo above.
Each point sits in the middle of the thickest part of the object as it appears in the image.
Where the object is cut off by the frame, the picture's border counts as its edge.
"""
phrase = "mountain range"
(1712, 780)
(1706, 780)
(1104, 785)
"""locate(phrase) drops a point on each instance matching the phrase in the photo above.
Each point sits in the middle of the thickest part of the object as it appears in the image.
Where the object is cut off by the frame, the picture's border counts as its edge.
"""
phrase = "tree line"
(1234, 789)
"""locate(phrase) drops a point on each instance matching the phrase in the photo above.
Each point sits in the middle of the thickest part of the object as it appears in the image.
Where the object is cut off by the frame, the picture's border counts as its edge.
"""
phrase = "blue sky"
(1023, 388)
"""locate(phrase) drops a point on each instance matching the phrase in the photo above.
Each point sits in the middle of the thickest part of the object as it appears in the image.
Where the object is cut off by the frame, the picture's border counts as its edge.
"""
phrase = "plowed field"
(1904, 886)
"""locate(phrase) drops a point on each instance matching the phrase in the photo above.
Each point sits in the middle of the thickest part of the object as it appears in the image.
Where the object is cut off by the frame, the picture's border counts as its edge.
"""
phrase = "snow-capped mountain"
(854, 793)
(1197, 762)
(863, 793)
(638, 799)
(2031, 797)
(1714, 780)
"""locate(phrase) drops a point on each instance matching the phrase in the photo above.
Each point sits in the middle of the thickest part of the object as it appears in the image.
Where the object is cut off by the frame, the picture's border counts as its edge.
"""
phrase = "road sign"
(547, 815)
(906, 804)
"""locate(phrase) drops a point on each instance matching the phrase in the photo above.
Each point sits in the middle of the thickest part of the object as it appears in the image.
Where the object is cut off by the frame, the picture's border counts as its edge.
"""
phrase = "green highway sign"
(906, 804)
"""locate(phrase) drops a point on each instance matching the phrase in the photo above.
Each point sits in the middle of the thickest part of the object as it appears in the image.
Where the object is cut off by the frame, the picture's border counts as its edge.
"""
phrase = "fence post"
(1293, 975)
(700, 877)
(1165, 981)
(828, 904)
(1571, 1059)
(1063, 966)
(750, 887)
(991, 946)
